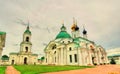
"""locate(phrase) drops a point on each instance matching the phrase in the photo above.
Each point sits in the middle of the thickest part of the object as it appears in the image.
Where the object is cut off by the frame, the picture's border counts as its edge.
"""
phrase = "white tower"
(75, 29)
(25, 46)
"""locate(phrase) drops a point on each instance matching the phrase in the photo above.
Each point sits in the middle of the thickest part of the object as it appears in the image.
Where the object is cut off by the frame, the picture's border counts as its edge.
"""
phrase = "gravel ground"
(102, 69)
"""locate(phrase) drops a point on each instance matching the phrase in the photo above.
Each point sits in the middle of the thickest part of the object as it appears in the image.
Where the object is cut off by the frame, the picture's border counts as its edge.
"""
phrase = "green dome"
(63, 34)
(28, 31)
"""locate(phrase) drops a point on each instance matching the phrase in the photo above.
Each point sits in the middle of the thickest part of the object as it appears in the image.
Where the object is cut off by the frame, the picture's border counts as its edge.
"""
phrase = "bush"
(112, 61)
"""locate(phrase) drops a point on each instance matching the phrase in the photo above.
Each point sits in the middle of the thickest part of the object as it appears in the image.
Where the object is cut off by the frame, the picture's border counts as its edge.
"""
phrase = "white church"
(24, 56)
(74, 49)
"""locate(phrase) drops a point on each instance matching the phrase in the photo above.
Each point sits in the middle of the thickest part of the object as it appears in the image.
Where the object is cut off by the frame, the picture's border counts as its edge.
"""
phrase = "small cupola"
(27, 31)
(84, 32)
(63, 28)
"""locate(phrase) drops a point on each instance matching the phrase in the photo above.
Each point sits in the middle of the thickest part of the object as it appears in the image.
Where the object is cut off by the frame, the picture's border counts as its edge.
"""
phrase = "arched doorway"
(27, 39)
(12, 62)
(25, 60)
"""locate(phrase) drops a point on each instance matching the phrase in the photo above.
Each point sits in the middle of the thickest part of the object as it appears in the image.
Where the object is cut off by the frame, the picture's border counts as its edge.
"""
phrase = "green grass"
(37, 69)
(2, 69)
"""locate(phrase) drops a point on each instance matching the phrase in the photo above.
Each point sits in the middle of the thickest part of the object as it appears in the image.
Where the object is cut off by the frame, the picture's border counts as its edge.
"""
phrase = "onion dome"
(84, 31)
(74, 26)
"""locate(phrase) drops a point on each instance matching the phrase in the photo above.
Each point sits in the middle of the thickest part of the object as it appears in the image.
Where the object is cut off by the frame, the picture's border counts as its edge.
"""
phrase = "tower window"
(75, 56)
(27, 39)
(68, 41)
(70, 48)
(26, 49)
(54, 46)
(70, 56)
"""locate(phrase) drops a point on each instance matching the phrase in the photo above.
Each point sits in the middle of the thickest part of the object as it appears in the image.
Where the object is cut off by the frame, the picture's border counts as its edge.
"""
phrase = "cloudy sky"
(101, 19)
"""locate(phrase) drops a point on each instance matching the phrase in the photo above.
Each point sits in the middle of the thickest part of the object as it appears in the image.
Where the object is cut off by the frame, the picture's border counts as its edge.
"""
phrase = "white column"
(61, 56)
(64, 56)
(79, 57)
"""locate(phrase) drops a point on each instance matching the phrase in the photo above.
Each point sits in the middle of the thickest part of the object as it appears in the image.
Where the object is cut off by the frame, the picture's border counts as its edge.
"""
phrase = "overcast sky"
(101, 19)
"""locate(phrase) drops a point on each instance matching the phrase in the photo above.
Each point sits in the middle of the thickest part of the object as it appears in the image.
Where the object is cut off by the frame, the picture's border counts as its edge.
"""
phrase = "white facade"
(75, 50)
(24, 56)
(115, 54)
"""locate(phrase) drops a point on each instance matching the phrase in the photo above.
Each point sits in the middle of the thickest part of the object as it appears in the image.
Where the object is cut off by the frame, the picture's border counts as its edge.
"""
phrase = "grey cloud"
(101, 19)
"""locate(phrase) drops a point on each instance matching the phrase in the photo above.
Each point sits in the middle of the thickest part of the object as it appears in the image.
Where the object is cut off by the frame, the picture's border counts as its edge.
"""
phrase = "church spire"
(28, 25)
(27, 31)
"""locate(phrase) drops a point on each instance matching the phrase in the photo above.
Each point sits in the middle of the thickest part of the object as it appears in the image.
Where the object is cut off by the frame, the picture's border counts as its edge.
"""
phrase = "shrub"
(112, 61)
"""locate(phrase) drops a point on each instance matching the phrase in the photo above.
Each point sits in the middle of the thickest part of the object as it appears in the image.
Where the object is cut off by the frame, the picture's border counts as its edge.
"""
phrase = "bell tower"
(25, 46)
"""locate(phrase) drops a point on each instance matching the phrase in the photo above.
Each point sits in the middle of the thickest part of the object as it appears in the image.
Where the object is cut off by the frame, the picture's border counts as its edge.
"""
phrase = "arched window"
(68, 41)
(75, 56)
(92, 48)
(54, 46)
(70, 56)
(70, 48)
(55, 52)
(27, 39)
(26, 49)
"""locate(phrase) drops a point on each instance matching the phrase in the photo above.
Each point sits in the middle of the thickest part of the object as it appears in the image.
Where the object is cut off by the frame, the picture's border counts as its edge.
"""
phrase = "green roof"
(28, 31)
(1, 33)
(114, 55)
(63, 34)
(13, 53)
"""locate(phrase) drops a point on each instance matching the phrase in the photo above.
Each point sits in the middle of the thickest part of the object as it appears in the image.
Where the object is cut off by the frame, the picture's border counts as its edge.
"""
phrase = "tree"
(112, 61)
(42, 58)
(5, 57)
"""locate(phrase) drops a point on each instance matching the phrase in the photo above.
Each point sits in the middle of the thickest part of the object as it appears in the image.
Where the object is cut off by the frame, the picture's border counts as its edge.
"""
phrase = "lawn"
(2, 69)
(37, 69)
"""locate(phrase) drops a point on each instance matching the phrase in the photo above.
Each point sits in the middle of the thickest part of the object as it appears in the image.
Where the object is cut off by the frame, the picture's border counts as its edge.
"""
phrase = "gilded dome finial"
(74, 26)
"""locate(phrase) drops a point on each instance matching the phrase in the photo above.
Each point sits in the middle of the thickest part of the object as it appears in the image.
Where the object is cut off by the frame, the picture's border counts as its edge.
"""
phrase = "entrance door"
(25, 60)
(12, 62)
(93, 60)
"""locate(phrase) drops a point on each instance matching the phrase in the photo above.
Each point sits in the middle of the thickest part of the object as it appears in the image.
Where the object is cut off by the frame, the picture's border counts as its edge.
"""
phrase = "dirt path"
(104, 69)
(11, 70)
